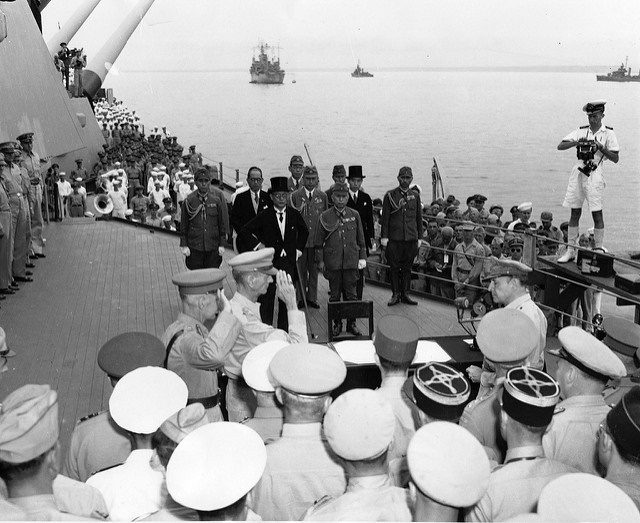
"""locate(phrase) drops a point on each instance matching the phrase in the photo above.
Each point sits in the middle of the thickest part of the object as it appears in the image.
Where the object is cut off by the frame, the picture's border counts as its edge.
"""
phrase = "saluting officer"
(30, 161)
(341, 251)
(401, 233)
(192, 351)
(361, 202)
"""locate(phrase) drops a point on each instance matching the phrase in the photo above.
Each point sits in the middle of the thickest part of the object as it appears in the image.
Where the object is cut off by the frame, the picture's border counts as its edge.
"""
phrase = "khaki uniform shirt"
(369, 498)
(267, 421)
(472, 262)
(310, 209)
(481, 417)
(300, 470)
(514, 488)
(253, 332)
(197, 353)
(629, 484)
(526, 305)
(572, 436)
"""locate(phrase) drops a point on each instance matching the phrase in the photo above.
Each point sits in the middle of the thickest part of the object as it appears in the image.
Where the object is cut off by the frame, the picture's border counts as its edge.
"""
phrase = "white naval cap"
(255, 367)
(525, 206)
(215, 465)
(145, 397)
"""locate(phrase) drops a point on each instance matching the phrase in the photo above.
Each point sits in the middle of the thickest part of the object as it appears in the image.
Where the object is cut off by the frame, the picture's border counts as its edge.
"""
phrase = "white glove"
(362, 264)
(186, 252)
(221, 250)
(298, 254)
(419, 243)
(384, 241)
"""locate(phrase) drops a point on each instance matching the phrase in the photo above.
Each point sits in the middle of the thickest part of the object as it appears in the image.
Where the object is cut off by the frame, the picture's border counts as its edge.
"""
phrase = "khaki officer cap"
(340, 188)
(589, 354)
(468, 226)
(307, 368)
(359, 425)
(145, 397)
(128, 351)
(215, 465)
(506, 336)
(255, 366)
(623, 336)
(199, 281)
(585, 497)
(185, 421)
(396, 339)
(254, 261)
(448, 464)
(28, 423)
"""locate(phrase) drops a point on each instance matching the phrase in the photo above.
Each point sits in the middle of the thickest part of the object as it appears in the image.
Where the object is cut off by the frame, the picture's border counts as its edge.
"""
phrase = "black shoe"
(395, 299)
(30, 265)
(352, 329)
(28, 273)
(23, 278)
(33, 256)
(313, 304)
(405, 299)
(336, 329)
(7, 291)
(301, 305)
(40, 255)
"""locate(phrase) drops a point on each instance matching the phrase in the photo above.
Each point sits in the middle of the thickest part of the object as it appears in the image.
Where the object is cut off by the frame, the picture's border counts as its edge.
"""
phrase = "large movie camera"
(586, 150)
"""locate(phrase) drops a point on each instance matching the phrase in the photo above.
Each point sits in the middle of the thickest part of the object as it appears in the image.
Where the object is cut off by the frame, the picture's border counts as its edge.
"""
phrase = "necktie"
(255, 197)
(281, 216)
(309, 195)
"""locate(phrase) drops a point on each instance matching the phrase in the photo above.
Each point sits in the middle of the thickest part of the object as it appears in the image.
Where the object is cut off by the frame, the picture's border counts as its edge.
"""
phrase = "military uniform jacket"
(401, 215)
(572, 436)
(202, 227)
(267, 422)
(364, 206)
(340, 239)
(310, 209)
(481, 417)
(31, 162)
(197, 353)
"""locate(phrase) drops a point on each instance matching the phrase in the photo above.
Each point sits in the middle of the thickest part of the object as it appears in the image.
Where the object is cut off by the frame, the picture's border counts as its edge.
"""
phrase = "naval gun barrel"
(71, 26)
(98, 67)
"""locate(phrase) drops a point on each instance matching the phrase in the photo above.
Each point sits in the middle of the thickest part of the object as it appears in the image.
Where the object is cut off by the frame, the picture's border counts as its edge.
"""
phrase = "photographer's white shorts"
(581, 188)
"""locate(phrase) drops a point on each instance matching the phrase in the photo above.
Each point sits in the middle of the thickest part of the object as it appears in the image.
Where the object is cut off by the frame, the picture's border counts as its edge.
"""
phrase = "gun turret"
(71, 26)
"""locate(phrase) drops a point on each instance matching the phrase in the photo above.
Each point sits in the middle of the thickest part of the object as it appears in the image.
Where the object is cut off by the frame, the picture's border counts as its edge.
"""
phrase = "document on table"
(362, 352)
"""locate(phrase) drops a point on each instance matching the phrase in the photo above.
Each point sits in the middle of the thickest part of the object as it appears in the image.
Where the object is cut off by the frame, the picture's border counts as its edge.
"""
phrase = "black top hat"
(355, 171)
(279, 184)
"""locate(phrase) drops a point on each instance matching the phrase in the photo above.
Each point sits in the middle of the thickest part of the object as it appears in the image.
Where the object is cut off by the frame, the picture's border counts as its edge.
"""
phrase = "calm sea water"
(493, 133)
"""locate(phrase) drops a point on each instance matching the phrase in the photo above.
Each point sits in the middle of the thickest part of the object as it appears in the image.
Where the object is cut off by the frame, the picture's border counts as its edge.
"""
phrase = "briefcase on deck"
(595, 264)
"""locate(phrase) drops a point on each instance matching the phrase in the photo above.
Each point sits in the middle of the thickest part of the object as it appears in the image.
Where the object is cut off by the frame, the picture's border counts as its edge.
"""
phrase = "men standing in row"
(340, 251)
(361, 202)
(283, 228)
(6, 235)
(203, 225)
(30, 161)
(248, 204)
(401, 233)
(311, 202)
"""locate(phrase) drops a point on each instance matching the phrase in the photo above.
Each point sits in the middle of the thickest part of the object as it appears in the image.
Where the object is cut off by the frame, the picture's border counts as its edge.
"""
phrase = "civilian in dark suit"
(248, 204)
(361, 202)
(283, 228)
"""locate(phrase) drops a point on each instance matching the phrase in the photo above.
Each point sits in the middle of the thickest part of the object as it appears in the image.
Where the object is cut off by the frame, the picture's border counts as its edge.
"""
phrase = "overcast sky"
(220, 34)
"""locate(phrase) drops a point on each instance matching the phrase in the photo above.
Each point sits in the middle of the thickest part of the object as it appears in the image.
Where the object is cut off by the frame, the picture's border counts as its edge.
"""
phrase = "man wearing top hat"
(30, 161)
(361, 202)
(596, 144)
(283, 228)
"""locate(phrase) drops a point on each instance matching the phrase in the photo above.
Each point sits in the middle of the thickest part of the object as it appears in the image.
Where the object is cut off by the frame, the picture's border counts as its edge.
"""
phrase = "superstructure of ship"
(621, 74)
(359, 72)
(266, 69)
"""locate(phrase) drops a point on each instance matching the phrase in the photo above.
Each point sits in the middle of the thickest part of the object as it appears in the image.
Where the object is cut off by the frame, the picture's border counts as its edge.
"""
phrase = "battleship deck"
(102, 278)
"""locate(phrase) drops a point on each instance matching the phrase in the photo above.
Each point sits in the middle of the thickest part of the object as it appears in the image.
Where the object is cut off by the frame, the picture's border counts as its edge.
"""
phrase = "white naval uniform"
(526, 305)
(590, 187)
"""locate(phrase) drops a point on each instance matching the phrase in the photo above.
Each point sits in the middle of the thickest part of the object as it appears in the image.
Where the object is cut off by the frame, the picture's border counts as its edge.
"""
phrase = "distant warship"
(265, 70)
(622, 74)
(359, 72)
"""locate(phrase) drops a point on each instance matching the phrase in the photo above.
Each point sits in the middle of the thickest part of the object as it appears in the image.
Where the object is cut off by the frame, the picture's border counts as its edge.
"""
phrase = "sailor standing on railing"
(595, 144)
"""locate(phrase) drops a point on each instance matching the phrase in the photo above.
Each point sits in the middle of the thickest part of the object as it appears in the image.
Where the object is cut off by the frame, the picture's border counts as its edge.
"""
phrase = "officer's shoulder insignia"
(89, 416)
(583, 126)
(558, 410)
(200, 331)
(106, 468)
(610, 128)
(324, 500)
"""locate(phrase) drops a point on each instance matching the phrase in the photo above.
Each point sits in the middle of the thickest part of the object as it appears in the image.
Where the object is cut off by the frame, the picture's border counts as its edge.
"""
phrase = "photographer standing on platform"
(595, 143)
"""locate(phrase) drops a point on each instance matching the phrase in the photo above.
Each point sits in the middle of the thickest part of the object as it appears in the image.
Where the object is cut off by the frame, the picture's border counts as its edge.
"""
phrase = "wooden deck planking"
(104, 278)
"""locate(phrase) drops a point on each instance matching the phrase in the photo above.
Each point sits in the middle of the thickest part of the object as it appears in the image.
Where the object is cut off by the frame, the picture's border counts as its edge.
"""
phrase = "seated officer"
(300, 466)
(506, 337)
(29, 448)
(268, 418)
(359, 428)
(192, 351)
(97, 442)
(212, 470)
(619, 445)
(585, 365)
(528, 402)
(449, 471)
(141, 401)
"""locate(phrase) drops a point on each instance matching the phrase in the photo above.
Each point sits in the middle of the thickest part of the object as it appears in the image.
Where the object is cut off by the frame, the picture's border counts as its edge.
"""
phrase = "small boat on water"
(266, 69)
(359, 72)
(622, 74)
